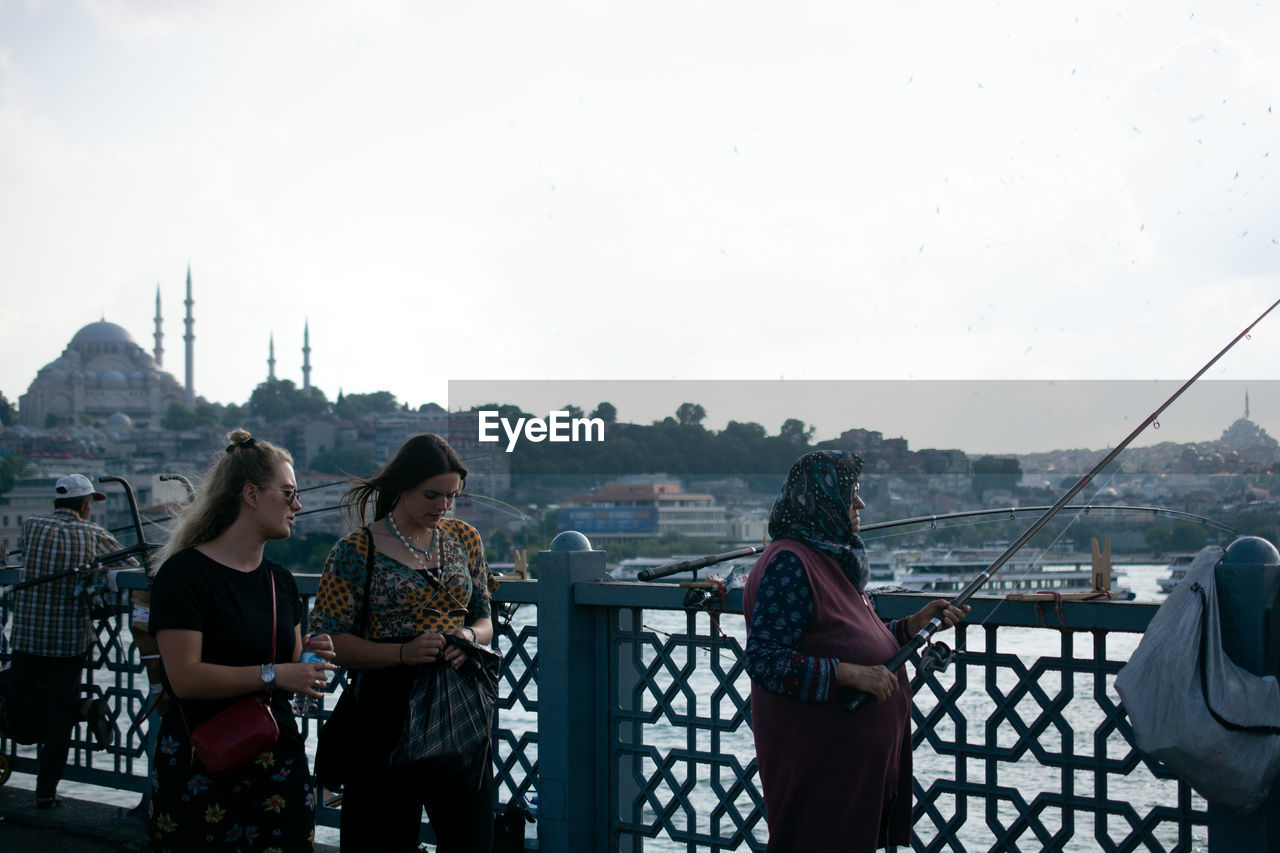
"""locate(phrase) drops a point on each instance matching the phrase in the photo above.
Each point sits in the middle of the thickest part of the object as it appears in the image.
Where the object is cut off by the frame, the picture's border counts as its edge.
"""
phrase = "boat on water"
(1178, 567)
(948, 571)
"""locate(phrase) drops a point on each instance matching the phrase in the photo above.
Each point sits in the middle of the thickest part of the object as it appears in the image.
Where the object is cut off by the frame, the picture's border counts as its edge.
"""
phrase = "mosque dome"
(102, 374)
(100, 332)
(112, 378)
(119, 422)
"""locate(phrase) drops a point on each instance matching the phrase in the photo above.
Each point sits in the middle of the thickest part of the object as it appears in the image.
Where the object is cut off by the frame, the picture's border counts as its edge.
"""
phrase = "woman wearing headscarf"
(404, 593)
(214, 602)
(831, 780)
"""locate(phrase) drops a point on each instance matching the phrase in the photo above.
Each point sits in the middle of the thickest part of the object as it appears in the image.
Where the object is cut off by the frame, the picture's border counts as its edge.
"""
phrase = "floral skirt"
(268, 805)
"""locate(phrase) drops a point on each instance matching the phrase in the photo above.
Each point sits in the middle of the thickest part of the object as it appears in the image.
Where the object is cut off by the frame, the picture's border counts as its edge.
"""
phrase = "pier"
(623, 718)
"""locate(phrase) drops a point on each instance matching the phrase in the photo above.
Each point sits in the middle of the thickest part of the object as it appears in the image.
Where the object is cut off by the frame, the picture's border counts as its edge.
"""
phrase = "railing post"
(573, 658)
(1248, 579)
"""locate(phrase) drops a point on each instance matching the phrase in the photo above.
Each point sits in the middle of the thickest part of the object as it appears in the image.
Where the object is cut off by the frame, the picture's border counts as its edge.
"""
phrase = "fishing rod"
(141, 547)
(135, 524)
(695, 563)
(935, 624)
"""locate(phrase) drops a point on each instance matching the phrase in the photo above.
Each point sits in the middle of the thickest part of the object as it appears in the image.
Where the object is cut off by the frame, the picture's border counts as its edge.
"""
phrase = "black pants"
(382, 806)
(48, 692)
(382, 811)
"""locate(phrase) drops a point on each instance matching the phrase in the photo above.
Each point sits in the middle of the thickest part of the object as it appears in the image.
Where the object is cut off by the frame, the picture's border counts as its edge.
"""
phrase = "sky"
(452, 194)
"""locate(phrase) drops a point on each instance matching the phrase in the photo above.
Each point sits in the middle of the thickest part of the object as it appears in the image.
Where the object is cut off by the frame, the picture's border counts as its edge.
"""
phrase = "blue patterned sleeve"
(784, 604)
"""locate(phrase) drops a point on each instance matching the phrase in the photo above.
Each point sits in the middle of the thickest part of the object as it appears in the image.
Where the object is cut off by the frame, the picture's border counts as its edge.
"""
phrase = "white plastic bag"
(1213, 723)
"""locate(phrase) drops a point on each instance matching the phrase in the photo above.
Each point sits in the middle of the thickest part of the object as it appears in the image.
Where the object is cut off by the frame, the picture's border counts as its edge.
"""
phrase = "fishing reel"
(936, 658)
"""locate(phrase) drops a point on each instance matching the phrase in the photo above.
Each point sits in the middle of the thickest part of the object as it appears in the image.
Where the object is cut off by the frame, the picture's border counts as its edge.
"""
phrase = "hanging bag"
(338, 742)
(241, 732)
(1213, 723)
(451, 710)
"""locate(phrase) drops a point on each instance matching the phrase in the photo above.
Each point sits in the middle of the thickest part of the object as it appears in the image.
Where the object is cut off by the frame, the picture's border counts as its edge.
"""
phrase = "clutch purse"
(235, 735)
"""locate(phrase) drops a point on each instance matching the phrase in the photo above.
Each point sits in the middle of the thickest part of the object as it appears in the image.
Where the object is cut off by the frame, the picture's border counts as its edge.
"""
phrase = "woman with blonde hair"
(408, 592)
(215, 600)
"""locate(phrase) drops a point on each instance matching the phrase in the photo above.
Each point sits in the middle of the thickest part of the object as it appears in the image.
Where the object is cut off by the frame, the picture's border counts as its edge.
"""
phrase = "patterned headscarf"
(813, 508)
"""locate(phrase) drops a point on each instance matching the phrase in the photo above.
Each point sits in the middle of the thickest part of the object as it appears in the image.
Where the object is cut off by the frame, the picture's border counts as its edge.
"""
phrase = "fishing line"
(1037, 563)
(936, 623)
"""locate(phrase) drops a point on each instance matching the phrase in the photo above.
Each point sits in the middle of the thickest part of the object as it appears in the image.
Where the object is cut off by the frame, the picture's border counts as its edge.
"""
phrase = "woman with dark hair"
(392, 591)
(831, 780)
(212, 616)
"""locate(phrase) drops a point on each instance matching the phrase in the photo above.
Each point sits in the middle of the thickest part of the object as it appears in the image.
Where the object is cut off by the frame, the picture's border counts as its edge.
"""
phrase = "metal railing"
(624, 713)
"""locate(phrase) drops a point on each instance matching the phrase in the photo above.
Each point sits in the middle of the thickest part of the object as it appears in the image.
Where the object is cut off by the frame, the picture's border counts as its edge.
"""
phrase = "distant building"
(102, 374)
(632, 510)
(1250, 440)
(945, 470)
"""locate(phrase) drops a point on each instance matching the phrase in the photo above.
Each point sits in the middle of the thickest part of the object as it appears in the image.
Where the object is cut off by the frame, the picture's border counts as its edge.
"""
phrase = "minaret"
(306, 357)
(190, 339)
(271, 358)
(159, 352)
(1246, 404)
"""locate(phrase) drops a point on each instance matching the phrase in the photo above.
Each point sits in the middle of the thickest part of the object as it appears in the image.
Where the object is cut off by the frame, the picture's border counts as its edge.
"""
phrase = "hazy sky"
(692, 191)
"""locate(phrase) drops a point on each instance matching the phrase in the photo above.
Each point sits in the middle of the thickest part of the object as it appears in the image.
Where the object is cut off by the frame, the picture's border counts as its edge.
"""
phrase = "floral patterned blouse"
(405, 601)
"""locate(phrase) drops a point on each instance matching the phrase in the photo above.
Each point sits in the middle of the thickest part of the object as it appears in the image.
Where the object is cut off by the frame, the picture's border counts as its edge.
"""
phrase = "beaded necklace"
(432, 574)
(429, 552)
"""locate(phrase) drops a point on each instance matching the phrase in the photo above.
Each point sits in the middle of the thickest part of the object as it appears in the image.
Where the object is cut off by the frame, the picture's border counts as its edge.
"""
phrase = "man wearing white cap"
(53, 627)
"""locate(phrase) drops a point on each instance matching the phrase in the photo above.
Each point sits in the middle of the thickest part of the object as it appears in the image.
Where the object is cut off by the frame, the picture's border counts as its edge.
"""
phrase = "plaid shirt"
(53, 618)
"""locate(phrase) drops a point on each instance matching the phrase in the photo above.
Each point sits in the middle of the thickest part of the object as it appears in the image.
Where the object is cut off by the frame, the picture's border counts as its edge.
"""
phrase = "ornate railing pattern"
(631, 725)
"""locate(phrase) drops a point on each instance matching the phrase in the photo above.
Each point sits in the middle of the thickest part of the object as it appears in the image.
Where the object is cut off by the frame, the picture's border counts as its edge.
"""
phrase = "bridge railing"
(624, 716)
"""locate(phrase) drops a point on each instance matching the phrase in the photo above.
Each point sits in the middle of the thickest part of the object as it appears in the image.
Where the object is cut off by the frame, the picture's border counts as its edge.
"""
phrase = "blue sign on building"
(603, 521)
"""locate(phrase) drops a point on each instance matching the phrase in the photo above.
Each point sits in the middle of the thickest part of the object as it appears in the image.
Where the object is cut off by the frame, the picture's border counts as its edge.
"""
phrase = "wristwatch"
(268, 675)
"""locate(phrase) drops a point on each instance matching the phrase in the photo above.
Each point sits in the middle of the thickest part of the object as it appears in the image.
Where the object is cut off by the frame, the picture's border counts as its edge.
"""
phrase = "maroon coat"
(833, 781)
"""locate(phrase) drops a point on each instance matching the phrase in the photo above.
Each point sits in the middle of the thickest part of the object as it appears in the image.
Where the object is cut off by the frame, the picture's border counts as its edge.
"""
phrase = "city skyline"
(567, 193)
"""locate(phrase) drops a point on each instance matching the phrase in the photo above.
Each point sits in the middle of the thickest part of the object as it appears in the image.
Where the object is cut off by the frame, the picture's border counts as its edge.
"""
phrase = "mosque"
(104, 376)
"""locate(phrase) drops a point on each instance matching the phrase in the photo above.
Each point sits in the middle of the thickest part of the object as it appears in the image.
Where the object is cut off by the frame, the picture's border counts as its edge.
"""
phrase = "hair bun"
(240, 437)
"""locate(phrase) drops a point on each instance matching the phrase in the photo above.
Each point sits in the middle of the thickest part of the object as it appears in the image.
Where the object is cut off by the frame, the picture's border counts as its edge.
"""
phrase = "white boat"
(1177, 571)
(948, 572)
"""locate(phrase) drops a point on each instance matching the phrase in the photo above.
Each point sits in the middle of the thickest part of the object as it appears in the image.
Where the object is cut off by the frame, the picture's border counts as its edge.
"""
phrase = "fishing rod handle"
(695, 564)
(900, 657)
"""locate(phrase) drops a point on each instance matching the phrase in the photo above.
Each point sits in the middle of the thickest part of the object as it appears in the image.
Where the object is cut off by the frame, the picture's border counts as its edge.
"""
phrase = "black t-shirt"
(232, 609)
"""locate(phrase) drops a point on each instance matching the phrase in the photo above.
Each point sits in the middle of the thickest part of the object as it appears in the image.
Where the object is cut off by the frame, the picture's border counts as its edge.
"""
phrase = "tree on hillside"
(178, 417)
(606, 412)
(1181, 535)
(354, 461)
(748, 432)
(793, 430)
(690, 414)
(352, 406)
(12, 469)
(279, 399)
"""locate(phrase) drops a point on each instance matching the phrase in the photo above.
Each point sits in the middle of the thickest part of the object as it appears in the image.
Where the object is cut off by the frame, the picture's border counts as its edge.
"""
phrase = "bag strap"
(368, 583)
(271, 580)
